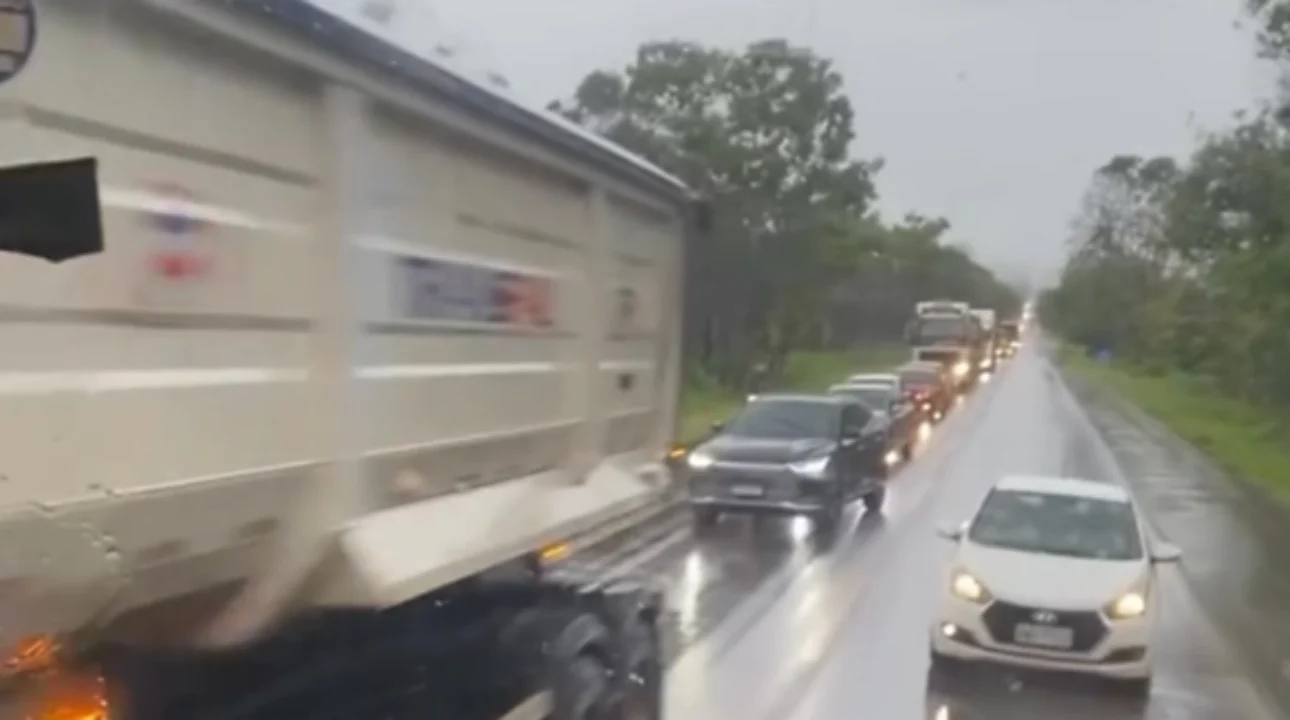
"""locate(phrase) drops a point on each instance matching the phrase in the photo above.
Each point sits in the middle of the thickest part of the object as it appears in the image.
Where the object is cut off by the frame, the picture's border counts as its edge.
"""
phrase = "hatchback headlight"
(966, 587)
(1130, 605)
(812, 467)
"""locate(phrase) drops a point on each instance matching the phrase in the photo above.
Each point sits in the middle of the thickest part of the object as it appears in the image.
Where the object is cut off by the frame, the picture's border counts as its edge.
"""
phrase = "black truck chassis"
(473, 651)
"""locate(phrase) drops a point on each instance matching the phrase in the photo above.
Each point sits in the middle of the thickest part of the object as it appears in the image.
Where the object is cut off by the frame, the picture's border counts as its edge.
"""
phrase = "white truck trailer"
(941, 307)
(366, 344)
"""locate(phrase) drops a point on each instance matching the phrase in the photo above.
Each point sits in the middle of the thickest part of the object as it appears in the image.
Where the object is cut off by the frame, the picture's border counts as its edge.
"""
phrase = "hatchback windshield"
(786, 419)
(873, 396)
(1057, 525)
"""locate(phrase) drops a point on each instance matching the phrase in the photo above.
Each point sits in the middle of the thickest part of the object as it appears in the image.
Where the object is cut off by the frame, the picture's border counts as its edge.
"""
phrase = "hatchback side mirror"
(952, 532)
(1163, 552)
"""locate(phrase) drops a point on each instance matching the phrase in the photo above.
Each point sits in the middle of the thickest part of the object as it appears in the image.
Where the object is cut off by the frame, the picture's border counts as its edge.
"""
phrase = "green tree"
(766, 133)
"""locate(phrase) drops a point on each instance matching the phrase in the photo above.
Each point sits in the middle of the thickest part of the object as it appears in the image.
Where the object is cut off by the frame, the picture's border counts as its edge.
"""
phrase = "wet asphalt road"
(767, 623)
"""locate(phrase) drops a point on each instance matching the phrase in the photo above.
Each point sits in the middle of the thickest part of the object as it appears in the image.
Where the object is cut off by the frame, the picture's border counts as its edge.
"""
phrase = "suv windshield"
(876, 397)
(1057, 525)
(786, 419)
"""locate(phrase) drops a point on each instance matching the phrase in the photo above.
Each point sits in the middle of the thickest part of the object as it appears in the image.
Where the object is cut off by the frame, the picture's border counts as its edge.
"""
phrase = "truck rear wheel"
(643, 694)
(582, 690)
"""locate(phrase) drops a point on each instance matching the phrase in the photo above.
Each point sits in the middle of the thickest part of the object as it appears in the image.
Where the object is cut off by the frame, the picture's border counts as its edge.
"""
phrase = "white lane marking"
(99, 381)
(1257, 703)
(634, 561)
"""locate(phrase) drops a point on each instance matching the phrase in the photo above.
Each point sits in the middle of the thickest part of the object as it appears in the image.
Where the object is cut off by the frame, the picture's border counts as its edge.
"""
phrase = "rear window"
(918, 377)
(875, 397)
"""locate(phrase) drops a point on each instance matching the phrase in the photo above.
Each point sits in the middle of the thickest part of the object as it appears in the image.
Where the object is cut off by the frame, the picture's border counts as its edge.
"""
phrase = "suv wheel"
(705, 517)
(874, 499)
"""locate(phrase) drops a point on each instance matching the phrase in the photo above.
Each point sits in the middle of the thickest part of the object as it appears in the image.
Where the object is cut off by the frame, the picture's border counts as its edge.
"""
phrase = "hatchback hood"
(731, 448)
(1050, 581)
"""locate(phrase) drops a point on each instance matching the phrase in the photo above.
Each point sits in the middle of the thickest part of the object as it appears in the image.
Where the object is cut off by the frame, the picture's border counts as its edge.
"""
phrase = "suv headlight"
(1132, 604)
(961, 368)
(966, 587)
(811, 467)
(700, 461)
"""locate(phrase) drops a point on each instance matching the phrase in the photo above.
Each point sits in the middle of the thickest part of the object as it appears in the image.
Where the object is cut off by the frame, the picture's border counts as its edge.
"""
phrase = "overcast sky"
(990, 112)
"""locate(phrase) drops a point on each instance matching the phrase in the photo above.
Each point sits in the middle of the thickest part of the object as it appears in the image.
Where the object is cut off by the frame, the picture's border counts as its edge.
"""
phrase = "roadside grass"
(704, 403)
(1247, 441)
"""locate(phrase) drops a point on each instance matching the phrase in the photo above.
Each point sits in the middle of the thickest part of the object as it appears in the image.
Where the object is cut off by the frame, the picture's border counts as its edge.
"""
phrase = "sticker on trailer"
(438, 289)
(17, 36)
(180, 252)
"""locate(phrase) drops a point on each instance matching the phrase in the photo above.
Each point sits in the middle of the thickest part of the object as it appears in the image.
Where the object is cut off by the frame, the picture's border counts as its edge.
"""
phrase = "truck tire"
(581, 690)
(643, 694)
(580, 678)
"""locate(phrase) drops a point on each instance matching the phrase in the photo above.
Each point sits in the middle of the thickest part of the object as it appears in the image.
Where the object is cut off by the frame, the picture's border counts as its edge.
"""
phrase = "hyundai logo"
(1046, 617)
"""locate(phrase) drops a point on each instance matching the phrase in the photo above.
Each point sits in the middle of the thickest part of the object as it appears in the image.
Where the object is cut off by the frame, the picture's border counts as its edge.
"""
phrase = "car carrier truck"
(366, 348)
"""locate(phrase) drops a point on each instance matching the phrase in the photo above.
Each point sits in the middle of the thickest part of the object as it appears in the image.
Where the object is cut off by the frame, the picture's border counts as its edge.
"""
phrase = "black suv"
(791, 454)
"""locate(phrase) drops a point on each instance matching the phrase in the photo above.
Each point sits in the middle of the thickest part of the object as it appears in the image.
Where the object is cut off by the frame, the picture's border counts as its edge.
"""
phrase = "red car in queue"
(929, 387)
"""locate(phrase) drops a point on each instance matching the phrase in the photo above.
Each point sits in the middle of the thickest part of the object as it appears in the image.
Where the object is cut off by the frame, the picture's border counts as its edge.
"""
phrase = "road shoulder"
(1233, 542)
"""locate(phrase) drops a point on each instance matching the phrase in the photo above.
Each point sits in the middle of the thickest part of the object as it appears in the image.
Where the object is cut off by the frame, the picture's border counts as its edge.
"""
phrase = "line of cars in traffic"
(812, 454)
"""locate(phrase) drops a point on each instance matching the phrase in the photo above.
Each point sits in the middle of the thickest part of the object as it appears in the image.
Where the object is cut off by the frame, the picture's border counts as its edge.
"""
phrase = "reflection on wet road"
(766, 624)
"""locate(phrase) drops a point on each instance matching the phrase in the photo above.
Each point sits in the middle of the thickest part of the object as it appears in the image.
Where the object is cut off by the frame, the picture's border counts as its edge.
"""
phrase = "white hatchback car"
(1053, 574)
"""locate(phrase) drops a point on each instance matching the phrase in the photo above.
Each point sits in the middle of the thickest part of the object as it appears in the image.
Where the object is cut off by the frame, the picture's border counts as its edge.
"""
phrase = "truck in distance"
(950, 338)
(985, 318)
(941, 307)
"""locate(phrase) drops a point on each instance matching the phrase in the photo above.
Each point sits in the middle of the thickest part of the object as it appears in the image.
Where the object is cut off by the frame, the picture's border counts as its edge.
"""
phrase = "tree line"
(1184, 265)
(797, 256)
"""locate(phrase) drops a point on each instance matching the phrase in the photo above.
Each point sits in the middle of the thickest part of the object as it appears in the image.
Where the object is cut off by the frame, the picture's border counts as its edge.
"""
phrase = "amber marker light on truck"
(551, 552)
(72, 697)
(49, 691)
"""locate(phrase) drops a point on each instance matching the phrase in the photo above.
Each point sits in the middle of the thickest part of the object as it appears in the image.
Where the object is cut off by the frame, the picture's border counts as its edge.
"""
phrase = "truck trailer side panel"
(190, 410)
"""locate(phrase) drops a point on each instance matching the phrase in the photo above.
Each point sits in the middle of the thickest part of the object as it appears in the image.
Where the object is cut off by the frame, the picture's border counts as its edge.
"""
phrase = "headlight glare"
(701, 461)
(1128, 606)
(967, 587)
(811, 467)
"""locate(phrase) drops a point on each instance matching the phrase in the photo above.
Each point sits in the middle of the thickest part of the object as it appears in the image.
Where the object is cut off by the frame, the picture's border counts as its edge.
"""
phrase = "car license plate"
(1058, 638)
(747, 490)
